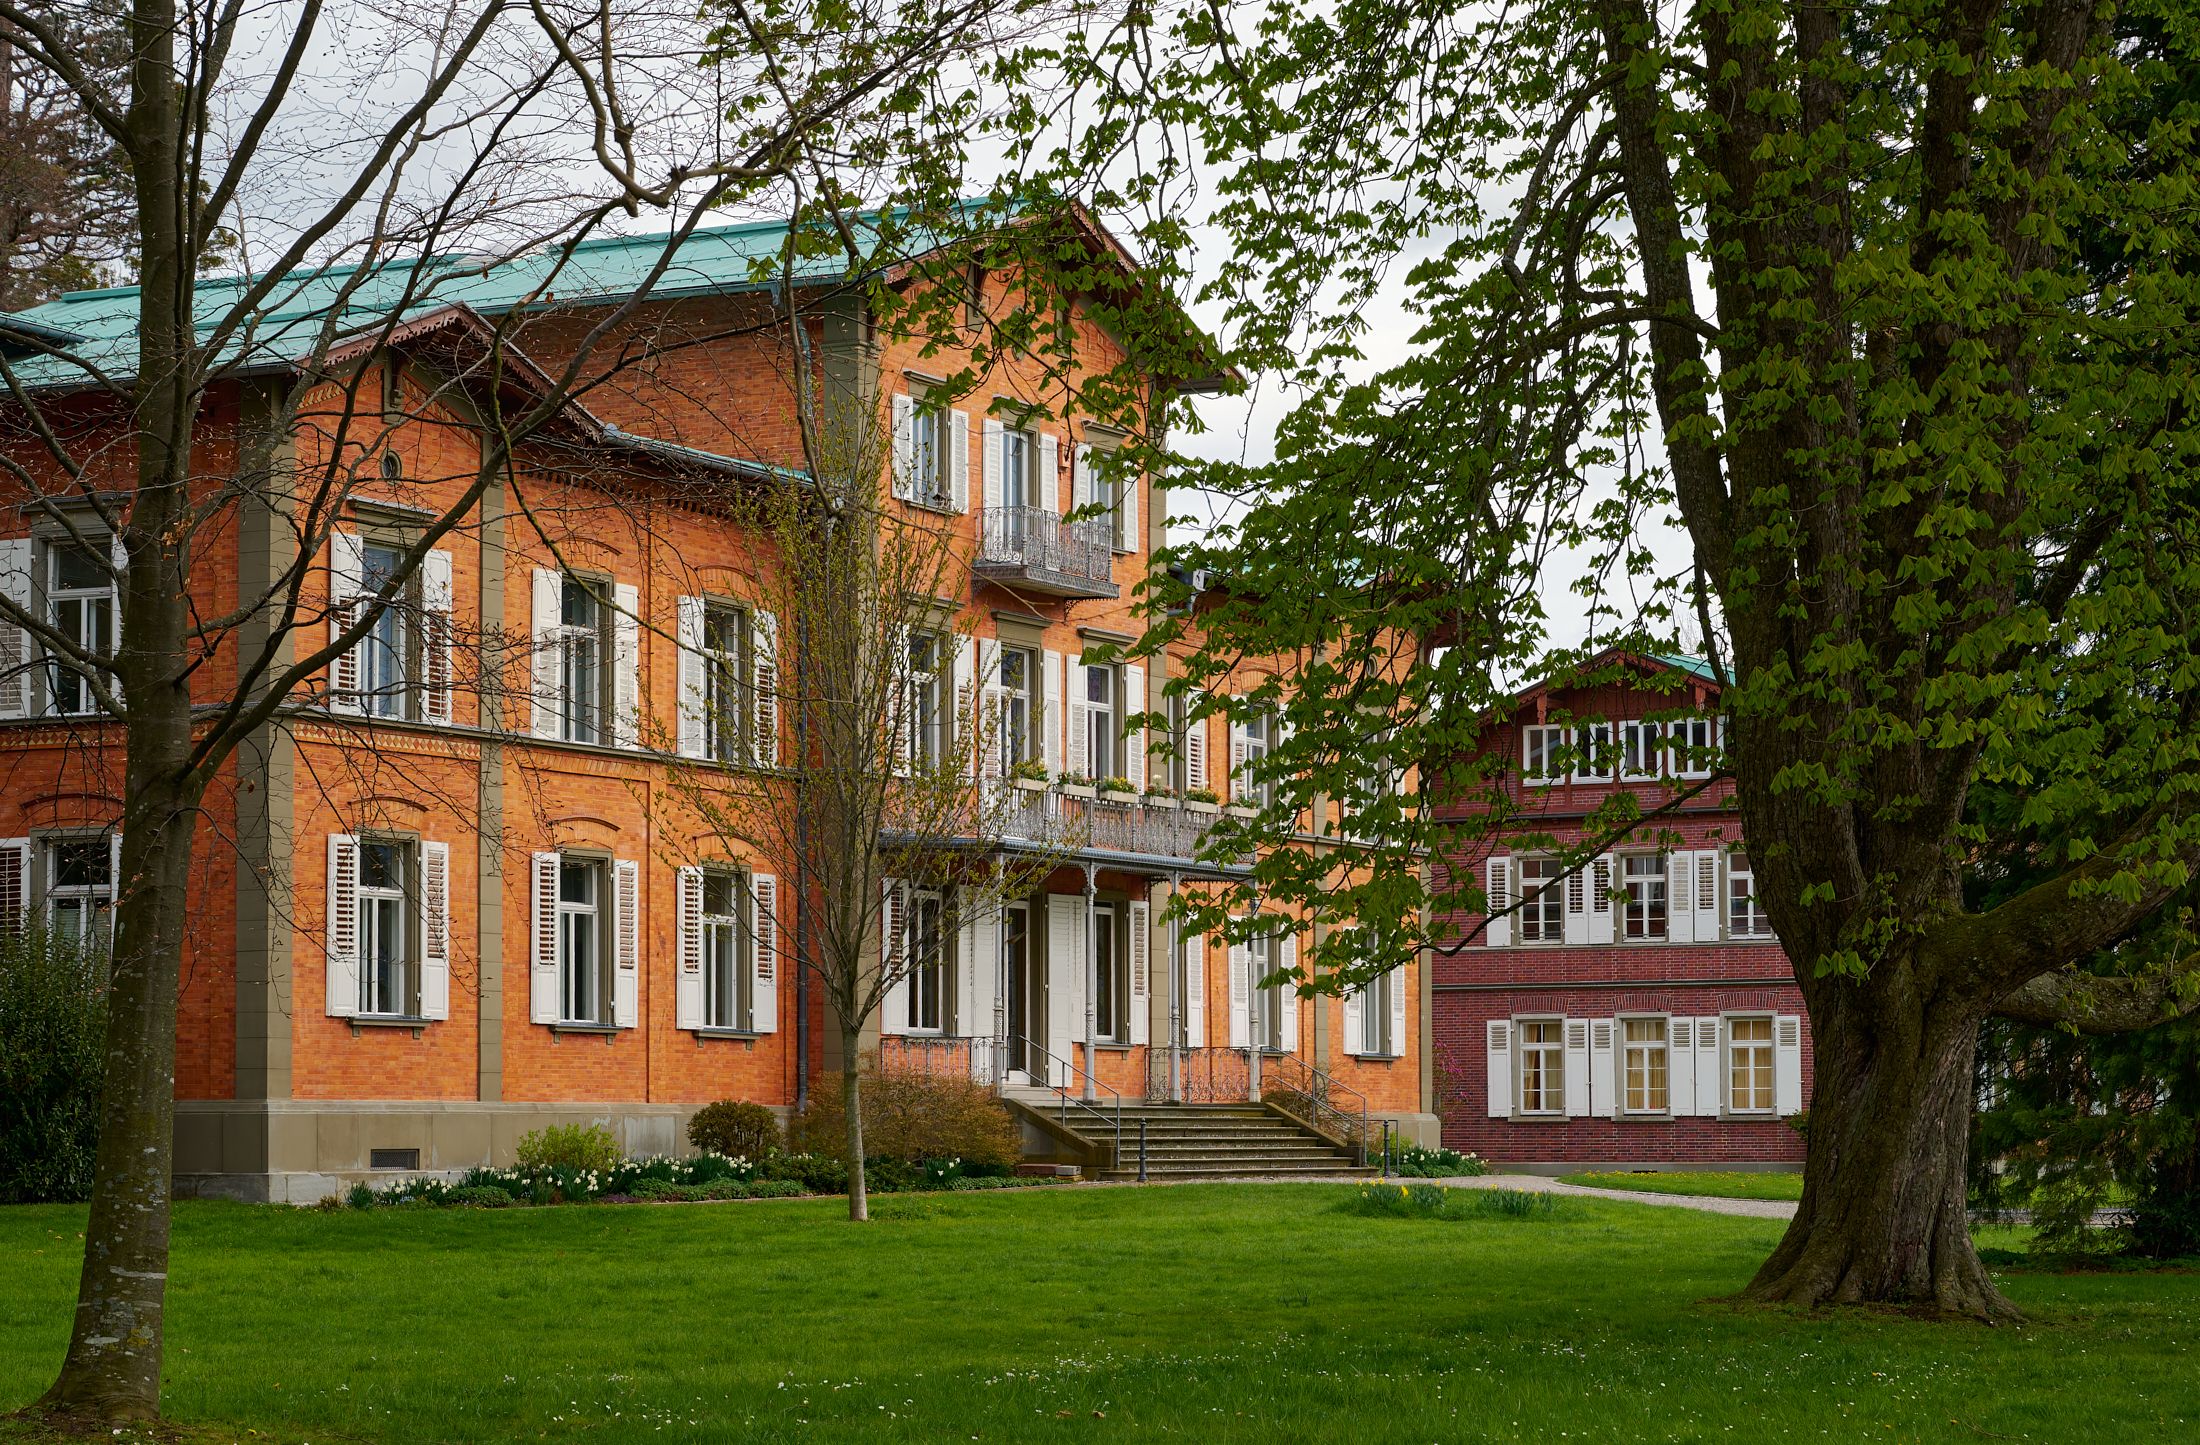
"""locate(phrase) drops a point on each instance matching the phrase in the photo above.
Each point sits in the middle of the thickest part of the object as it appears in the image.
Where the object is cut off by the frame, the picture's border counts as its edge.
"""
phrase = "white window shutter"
(1241, 968)
(764, 983)
(1710, 1067)
(1132, 542)
(687, 984)
(1134, 734)
(626, 637)
(764, 650)
(893, 929)
(1577, 905)
(1065, 981)
(1080, 477)
(542, 971)
(1050, 473)
(1680, 894)
(1577, 1068)
(1707, 910)
(692, 738)
(1238, 750)
(1601, 912)
(1355, 1029)
(1141, 951)
(435, 930)
(975, 1000)
(1680, 1066)
(1195, 741)
(905, 446)
(346, 575)
(965, 710)
(16, 555)
(899, 721)
(626, 974)
(1195, 991)
(547, 598)
(1500, 1068)
(1051, 721)
(1078, 739)
(1288, 1001)
(1600, 1069)
(958, 461)
(1398, 1001)
(342, 926)
(1497, 883)
(1787, 1064)
(15, 884)
(990, 480)
(436, 634)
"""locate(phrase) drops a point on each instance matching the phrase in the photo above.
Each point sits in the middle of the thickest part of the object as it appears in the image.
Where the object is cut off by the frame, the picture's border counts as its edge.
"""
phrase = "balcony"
(1033, 548)
(1144, 830)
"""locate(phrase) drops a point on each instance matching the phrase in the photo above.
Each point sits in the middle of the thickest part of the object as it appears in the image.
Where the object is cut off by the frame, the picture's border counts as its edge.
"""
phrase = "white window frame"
(378, 906)
(931, 439)
(925, 706)
(1661, 1047)
(101, 612)
(1596, 753)
(98, 899)
(1258, 733)
(1653, 882)
(729, 952)
(1537, 906)
(391, 640)
(1768, 1047)
(1375, 1040)
(1549, 740)
(1111, 1004)
(1017, 708)
(1553, 1053)
(1102, 719)
(924, 985)
(1641, 740)
(1744, 877)
(1019, 474)
(574, 724)
(1691, 735)
(729, 682)
(592, 921)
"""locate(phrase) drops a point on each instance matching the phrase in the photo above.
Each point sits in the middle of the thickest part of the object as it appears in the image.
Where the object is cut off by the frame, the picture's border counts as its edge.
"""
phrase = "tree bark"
(851, 1099)
(1884, 1217)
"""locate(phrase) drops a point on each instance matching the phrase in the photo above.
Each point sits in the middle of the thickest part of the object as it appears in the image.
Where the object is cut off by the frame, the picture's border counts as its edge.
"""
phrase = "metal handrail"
(1110, 1118)
(1035, 537)
(980, 1058)
(1204, 1075)
(1320, 1087)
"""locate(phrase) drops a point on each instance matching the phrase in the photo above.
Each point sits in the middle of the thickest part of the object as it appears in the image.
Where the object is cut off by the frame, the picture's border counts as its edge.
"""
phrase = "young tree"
(1806, 284)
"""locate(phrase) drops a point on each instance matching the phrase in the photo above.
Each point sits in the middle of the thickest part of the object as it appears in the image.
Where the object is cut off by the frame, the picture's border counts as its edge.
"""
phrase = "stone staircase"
(1222, 1141)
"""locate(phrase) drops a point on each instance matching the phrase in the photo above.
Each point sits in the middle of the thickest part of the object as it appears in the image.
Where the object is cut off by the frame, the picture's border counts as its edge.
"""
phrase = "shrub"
(999, 1181)
(569, 1146)
(735, 1127)
(1434, 1201)
(774, 1189)
(480, 1196)
(1414, 1162)
(361, 1196)
(816, 1173)
(911, 1117)
(53, 1024)
(654, 1189)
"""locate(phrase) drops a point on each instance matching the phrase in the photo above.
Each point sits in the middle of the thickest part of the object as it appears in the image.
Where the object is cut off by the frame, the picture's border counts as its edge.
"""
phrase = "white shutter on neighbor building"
(1497, 883)
(435, 930)
(1195, 991)
(1134, 734)
(965, 710)
(1355, 1031)
(1707, 910)
(1195, 742)
(15, 884)
(1710, 1067)
(1241, 968)
(1141, 949)
(1080, 477)
(905, 447)
(1577, 1068)
(346, 576)
(1288, 996)
(438, 629)
(764, 979)
(1050, 473)
(1600, 1069)
(16, 555)
(626, 973)
(989, 476)
(1787, 1064)
(893, 929)
(548, 595)
(543, 1004)
(1498, 1053)
(1680, 893)
(692, 737)
(1238, 750)
(1052, 722)
(1601, 912)
(958, 461)
(764, 658)
(981, 966)
(1399, 978)
(626, 643)
(687, 979)
(1577, 905)
(1077, 740)
(1132, 542)
(342, 926)
(1065, 981)
(1680, 1066)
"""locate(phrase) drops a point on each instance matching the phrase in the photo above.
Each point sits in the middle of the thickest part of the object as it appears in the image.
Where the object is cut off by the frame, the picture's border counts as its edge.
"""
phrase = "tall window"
(1101, 729)
(726, 682)
(1543, 901)
(581, 618)
(1596, 756)
(927, 982)
(1693, 747)
(1375, 1014)
(1749, 1065)
(1646, 897)
(1745, 916)
(1542, 750)
(1644, 1041)
(80, 889)
(1259, 733)
(1014, 721)
(1019, 463)
(1102, 468)
(926, 716)
(1110, 998)
(385, 950)
(1641, 748)
(725, 950)
(81, 592)
(1542, 1066)
(384, 656)
(580, 940)
(928, 455)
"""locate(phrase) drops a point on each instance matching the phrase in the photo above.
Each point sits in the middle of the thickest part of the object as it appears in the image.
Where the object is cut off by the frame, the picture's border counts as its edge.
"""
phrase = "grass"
(1207, 1313)
(1707, 1182)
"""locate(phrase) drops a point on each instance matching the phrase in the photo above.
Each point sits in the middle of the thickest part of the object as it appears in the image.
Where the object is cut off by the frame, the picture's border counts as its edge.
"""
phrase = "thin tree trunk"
(851, 1099)
(1885, 1217)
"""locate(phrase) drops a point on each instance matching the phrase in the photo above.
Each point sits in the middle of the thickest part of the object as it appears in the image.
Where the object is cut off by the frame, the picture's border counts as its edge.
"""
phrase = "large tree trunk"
(851, 1100)
(1884, 1217)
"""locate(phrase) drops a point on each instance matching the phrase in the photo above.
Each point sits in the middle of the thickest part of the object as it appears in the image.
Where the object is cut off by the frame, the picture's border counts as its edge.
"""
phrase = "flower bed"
(1411, 1161)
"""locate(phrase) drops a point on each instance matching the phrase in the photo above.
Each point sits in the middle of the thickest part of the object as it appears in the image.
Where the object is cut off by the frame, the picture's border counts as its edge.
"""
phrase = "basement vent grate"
(393, 1158)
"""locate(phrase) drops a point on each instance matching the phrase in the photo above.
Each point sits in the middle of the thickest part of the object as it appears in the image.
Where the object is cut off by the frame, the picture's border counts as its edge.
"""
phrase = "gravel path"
(1540, 1184)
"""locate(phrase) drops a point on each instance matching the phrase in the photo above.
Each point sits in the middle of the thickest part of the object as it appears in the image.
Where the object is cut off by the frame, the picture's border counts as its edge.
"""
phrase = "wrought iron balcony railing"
(1037, 549)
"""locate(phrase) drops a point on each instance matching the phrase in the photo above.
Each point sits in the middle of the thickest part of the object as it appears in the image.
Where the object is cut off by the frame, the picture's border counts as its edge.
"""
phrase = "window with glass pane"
(1015, 719)
(1542, 906)
(928, 455)
(1745, 916)
(1101, 469)
(1542, 752)
(1644, 1040)
(1542, 1066)
(725, 953)
(1375, 1015)
(926, 717)
(1019, 461)
(580, 940)
(385, 949)
(384, 656)
(80, 889)
(1646, 897)
(1692, 748)
(581, 617)
(1259, 728)
(80, 590)
(726, 682)
(927, 981)
(1101, 726)
(1595, 754)
(1111, 997)
(1749, 1065)
(1641, 746)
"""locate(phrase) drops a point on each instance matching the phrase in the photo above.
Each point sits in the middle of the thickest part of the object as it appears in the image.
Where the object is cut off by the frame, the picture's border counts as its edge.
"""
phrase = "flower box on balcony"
(1077, 790)
(1163, 800)
(1196, 806)
(1237, 812)
(1031, 785)
(1123, 799)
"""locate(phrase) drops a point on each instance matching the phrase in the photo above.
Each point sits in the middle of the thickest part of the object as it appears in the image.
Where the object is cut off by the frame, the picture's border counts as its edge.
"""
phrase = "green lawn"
(1717, 1185)
(1208, 1313)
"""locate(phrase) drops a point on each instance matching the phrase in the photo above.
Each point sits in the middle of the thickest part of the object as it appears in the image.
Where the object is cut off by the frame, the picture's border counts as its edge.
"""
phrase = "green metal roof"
(356, 298)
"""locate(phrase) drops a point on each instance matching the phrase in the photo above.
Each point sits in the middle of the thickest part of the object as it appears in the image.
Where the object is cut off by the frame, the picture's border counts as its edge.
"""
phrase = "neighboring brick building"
(444, 899)
(1637, 1013)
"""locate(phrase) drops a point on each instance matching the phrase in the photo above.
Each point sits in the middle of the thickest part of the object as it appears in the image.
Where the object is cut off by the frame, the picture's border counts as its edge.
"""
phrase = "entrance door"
(1025, 1009)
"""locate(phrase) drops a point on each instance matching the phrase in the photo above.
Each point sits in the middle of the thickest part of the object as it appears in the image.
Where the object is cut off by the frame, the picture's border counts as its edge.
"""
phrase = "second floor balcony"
(1035, 549)
(1146, 829)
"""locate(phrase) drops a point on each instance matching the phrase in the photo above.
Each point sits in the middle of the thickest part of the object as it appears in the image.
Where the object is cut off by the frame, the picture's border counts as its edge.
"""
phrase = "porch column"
(1092, 989)
(999, 1047)
(1252, 1006)
(1176, 1000)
